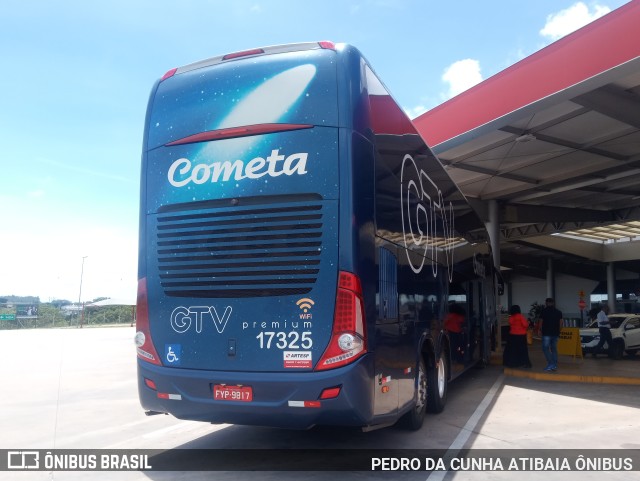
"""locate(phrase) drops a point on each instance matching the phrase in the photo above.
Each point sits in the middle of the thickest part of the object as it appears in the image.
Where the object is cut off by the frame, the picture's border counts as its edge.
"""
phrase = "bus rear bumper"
(284, 399)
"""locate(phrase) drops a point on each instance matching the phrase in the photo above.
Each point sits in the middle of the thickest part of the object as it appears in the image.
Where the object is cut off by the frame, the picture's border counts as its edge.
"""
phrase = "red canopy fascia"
(608, 42)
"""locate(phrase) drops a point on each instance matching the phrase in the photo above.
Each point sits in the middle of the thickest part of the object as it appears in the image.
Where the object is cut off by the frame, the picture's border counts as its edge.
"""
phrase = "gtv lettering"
(182, 318)
(183, 172)
(427, 223)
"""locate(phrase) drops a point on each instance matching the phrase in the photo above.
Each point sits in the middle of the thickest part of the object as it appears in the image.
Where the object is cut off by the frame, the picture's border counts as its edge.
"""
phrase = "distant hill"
(19, 300)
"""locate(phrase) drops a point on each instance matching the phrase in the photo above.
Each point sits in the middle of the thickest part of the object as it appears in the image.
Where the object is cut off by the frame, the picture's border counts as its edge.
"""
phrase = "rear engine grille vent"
(252, 249)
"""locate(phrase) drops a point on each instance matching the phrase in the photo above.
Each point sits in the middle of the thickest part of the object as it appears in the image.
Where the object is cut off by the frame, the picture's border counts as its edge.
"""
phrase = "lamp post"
(80, 293)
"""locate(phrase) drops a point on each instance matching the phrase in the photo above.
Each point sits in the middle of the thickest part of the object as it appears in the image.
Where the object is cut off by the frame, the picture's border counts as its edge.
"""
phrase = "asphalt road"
(76, 389)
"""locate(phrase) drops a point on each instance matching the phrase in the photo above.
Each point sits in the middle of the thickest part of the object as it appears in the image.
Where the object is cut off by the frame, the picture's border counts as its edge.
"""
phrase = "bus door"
(478, 333)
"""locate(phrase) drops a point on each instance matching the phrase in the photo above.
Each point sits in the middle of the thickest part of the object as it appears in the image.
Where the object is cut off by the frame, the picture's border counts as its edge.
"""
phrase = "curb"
(496, 359)
(543, 376)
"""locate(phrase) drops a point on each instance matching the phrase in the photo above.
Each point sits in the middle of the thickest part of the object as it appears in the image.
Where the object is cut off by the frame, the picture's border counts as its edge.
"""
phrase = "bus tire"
(437, 376)
(415, 417)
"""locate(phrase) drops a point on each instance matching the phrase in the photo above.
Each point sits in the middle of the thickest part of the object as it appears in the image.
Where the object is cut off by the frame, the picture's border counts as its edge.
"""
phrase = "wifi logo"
(305, 304)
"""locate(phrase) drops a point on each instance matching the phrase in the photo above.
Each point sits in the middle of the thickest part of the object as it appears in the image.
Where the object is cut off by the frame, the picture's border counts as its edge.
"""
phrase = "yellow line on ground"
(543, 376)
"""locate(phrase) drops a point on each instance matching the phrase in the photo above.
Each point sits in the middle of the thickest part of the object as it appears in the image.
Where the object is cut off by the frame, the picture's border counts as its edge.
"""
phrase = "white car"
(625, 332)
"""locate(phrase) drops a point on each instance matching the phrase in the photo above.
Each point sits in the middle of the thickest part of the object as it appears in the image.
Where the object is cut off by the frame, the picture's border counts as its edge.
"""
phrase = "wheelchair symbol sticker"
(173, 354)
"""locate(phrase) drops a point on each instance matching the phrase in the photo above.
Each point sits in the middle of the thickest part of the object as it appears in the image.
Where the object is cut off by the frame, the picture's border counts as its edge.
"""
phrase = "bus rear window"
(294, 88)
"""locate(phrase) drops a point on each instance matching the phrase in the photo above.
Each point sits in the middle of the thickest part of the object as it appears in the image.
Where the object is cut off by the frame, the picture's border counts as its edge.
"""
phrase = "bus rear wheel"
(414, 419)
(437, 375)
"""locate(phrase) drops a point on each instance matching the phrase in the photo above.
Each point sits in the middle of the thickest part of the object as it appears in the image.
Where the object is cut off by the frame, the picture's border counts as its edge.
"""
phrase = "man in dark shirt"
(604, 326)
(551, 319)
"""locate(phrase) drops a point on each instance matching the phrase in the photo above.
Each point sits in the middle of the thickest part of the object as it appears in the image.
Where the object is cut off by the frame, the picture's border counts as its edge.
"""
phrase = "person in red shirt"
(516, 352)
(454, 324)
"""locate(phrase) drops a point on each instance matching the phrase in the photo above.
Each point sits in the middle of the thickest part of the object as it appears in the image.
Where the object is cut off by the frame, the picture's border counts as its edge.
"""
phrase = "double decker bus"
(300, 248)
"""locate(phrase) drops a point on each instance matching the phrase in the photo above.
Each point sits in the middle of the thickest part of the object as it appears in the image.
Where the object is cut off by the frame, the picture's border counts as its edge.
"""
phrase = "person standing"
(516, 352)
(605, 330)
(551, 324)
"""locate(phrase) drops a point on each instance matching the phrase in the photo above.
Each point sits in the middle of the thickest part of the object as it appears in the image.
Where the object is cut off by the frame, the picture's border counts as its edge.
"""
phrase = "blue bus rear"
(284, 280)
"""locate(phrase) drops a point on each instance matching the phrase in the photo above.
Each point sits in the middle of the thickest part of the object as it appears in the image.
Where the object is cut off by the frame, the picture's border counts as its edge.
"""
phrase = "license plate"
(222, 392)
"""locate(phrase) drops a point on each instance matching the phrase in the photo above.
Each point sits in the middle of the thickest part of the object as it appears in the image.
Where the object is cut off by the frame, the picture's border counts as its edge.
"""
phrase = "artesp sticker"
(298, 359)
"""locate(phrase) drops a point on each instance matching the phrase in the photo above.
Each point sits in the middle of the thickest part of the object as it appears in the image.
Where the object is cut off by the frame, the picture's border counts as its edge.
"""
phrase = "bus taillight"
(348, 339)
(170, 73)
(244, 53)
(327, 45)
(144, 344)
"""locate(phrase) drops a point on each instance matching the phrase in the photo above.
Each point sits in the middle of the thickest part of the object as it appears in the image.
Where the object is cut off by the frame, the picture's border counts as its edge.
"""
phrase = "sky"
(77, 76)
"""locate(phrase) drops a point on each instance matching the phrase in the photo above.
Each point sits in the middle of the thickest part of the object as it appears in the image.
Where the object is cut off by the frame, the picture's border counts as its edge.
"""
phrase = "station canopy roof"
(555, 140)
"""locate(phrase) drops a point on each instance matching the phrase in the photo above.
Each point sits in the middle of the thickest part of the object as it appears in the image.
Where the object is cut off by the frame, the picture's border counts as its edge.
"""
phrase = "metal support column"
(551, 279)
(611, 287)
(493, 227)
